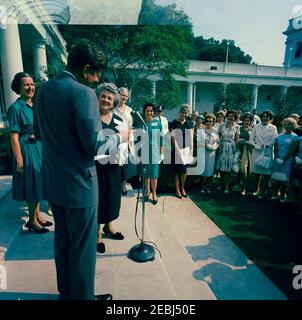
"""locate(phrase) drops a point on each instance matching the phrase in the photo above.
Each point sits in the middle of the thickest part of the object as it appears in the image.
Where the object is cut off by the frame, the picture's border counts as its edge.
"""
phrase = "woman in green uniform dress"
(155, 150)
(27, 180)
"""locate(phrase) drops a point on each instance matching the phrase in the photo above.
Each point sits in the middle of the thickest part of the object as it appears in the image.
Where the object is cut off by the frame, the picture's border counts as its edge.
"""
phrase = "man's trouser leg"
(75, 251)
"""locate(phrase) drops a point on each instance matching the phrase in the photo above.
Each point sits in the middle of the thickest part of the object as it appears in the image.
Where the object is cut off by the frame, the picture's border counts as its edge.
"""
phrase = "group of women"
(252, 148)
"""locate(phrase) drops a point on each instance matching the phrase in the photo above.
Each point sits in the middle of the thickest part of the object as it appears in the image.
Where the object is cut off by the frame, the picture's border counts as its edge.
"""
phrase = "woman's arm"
(292, 151)
(14, 136)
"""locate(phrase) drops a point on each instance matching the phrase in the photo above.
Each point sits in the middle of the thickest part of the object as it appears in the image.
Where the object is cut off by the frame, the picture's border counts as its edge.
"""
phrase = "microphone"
(138, 117)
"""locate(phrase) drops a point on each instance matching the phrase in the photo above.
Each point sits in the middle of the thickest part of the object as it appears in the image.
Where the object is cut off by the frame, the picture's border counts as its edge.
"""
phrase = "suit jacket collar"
(68, 74)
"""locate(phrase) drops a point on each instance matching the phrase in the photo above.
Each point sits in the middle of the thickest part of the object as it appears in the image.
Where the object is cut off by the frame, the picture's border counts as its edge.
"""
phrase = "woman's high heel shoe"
(101, 247)
(36, 229)
(45, 224)
(116, 236)
(147, 195)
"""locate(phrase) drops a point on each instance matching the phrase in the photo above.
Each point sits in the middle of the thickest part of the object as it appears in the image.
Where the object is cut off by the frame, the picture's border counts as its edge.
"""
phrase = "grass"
(269, 233)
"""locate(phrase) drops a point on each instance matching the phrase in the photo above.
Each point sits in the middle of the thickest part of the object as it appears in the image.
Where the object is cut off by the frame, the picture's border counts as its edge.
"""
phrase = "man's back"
(68, 123)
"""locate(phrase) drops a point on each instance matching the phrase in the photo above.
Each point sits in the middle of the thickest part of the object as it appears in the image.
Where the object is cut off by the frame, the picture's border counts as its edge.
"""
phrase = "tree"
(136, 52)
(154, 14)
(213, 50)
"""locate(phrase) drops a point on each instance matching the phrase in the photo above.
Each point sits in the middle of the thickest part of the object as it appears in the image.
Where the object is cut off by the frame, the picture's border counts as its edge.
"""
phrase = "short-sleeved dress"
(284, 142)
(211, 139)
(227, 148)
(27, 186)
(245, 150)
(155, 136)
(109, 180)
(183, 138)
(297, 168)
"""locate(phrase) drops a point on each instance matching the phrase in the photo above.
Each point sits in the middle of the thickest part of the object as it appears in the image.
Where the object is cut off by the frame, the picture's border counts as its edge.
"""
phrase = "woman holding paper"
(155, 139)
(108, 169)
(182, 140)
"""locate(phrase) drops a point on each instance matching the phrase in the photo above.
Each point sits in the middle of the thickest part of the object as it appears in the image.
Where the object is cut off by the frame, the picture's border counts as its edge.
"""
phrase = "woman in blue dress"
(155, 140)
(27, 162)
(286, 146)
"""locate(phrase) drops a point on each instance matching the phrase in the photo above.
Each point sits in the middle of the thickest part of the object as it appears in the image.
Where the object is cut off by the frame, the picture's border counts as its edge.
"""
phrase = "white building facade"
(29, 37)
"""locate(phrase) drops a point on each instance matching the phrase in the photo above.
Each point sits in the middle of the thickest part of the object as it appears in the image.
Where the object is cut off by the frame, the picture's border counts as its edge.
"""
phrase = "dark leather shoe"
(154, 202)
(104, 297)
(185, 195)
(124, 193)
(178, 196)
(45, 224)
(101, 247)
(116, 236)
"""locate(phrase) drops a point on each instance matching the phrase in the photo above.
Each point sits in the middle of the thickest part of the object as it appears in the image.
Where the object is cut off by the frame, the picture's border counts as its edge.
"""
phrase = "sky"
(256, 26)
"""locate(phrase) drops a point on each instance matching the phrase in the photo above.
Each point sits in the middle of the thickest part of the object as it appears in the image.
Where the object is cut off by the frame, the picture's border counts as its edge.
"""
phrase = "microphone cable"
(151, 243)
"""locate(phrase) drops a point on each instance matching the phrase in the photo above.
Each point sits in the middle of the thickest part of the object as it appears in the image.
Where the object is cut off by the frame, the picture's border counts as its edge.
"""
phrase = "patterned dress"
(227, 149)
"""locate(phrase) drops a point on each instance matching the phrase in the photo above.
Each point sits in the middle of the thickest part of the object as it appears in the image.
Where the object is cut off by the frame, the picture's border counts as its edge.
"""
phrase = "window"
(298, 52)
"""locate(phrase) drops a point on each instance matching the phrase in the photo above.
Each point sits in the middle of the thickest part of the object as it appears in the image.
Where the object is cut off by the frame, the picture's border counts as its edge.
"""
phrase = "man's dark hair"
(85, 52)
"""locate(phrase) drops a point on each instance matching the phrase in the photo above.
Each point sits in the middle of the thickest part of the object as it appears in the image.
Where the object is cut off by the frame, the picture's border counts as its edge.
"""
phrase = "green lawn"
(269, 233)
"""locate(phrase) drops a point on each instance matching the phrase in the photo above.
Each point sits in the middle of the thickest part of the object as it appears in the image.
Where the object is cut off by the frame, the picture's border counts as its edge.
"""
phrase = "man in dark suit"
(68, 123)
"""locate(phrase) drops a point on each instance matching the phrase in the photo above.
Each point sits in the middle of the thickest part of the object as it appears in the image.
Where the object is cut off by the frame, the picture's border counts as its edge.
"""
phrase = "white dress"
(211, 139)
(262, 136)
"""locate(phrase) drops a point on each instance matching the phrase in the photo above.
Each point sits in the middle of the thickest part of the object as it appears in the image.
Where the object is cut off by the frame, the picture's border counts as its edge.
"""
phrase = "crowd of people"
(69, 140)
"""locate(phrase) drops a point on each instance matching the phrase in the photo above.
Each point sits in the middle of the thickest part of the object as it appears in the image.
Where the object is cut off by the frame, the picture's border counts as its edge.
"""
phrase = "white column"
(224, 87)
(153, 88)
(190, 95)
(194, 98)
(283, 92)
(40, 60)
(255, 97)
(11, 60)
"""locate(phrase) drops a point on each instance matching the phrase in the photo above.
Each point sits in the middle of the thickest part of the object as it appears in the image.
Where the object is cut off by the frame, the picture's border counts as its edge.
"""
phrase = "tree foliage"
(154, 14)
(214, 50)
(136, 52)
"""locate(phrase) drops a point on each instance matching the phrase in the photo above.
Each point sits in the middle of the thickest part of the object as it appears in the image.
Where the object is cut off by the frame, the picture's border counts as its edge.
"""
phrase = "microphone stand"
(142, 252)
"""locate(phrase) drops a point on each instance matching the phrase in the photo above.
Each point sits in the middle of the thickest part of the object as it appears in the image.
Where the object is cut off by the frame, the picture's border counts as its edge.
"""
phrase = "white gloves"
(298, 160)
(257, 147)
(279, 162)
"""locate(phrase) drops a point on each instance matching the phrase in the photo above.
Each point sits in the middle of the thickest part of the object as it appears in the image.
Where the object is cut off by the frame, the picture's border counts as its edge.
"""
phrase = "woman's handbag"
(263, 160)
(279, 174)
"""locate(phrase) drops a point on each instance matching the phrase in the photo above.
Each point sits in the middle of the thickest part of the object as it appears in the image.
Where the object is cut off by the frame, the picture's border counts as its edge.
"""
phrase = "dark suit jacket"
(67, 120)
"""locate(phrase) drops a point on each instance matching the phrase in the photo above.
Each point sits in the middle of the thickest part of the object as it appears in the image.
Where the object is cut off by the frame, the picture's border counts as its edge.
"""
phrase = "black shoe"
(124, 193)
(101, 247)
(116, 236)
(154, 202)
(104, 297)
(35, 228)
(45, 224)
(184, 195)
(147, 195)
(178, 196)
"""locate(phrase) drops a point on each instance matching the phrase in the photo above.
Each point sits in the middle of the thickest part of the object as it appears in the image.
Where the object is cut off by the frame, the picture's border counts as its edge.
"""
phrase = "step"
(5, 185)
